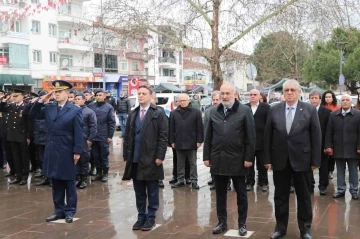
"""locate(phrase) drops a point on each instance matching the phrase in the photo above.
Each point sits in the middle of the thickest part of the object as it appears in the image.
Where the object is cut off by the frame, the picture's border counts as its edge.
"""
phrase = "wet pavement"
(107, 210)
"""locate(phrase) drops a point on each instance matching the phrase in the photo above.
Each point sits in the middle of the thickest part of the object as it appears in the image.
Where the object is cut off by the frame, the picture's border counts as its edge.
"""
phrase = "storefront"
(114, 83)
(10, 81)
(79, 83)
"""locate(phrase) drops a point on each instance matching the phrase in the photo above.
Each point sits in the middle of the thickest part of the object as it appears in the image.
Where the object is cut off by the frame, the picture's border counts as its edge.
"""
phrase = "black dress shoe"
(69, 218)
(210, 182)
(195, 186)
(139, 224)
(23, 182)
(277, 234)
(322, 192)
(212, 187)
(53, 218)
(161, 184)
(149, 224)
(242, 231)
(43, 182)
(178, 185)
(15, 181)
(292, 189)
(220, 228)
(306, 236)
(188, 181)
(173, 180)
(355, 196)
(249, 187)
(338, 195)
(264, 188)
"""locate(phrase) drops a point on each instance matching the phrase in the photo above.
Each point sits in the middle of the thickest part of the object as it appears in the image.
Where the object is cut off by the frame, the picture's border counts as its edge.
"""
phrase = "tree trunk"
(352, 87)
(215, 57)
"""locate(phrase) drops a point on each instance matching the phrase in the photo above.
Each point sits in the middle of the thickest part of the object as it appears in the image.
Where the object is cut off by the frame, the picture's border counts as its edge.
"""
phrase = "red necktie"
(142, 114)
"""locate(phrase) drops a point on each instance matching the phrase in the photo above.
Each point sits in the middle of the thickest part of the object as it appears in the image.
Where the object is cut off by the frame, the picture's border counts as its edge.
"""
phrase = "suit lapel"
(53, 111)
(298, 113)
(281, 116)
(320, 111)
(62, 111)
(258, 108)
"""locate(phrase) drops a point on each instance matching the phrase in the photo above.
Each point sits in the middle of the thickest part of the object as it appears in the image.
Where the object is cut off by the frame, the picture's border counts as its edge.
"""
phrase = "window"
(134, 45)
(135, 66)
(168, 72)
(4, 52)
(53, 57)
(34, 1)
(52, 30)
(36, 56)
(66, 61)
(64, 33)
(36, 27)
(111, 63)
(15, 26)
(123, 65)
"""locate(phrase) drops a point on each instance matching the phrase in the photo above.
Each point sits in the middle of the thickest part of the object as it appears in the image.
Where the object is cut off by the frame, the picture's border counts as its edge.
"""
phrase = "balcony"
(167, 79)
(81, 71)
(15, 37)
(136, 56)
(12, 3)
(73, 44)
(69, 18)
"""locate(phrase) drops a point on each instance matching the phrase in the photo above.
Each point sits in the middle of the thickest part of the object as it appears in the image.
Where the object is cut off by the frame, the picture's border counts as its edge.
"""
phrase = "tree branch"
(201, 11)
(257, 23)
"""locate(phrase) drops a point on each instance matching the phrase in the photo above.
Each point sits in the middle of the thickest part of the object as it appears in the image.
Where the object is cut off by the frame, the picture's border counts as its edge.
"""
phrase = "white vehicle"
(164, 100)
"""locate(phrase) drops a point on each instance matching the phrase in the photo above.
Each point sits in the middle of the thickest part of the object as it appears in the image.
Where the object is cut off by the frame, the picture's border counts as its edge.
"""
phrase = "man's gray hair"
(346, 96)
(315, 92)
(293, 82)
(215, 92)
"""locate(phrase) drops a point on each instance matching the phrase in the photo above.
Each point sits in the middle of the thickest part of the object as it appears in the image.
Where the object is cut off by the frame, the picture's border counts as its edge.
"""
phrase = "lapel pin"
(301, 109)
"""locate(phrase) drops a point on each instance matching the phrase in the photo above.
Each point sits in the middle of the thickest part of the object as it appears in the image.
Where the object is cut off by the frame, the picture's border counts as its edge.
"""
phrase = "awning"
(7, 79)
(203, 87)
(167, 87)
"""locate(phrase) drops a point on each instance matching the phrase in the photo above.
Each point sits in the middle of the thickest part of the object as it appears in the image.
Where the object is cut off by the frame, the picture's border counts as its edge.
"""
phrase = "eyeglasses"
(183, 100)
(253, 94)
(15, 95)
(291, 90)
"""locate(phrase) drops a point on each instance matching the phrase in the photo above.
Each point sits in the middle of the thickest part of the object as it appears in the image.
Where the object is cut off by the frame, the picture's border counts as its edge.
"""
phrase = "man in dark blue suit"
(63, 147)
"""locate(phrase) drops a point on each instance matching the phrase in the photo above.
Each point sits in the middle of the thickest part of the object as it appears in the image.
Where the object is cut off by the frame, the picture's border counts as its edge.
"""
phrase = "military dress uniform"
(64, 140)
(7, 144)
(17, 132)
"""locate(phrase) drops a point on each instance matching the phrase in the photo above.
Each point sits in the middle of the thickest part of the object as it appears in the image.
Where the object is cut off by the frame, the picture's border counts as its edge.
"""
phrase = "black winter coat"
(153, 145)
(90, 123)
(105, 116)
(186, 128)
(343, 134)
(230, 140)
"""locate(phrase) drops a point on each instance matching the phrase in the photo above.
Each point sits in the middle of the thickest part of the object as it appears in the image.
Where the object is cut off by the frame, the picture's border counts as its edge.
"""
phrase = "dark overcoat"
(153, 144)
(64, 139)
(230, 140)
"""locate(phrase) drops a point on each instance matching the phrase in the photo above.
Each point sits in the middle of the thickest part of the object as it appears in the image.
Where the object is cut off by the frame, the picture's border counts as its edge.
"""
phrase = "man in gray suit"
(343, 141)
(292, 144)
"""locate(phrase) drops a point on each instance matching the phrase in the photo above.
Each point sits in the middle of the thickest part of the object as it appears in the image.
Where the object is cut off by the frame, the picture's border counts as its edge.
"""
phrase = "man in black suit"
(323, 113)
(292, 143)
(343, 142)
(260, 112)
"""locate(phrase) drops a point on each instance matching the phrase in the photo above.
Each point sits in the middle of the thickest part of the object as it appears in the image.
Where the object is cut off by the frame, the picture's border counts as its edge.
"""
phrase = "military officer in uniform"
(2, 153)
(35, 166)
(7, 145)
(90, 130)
(63, 148)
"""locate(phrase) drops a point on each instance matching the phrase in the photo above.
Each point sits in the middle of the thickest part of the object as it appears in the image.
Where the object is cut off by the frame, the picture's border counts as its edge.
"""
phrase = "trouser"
(20, 153)
(187, 166)
(145, 190)
(40, 149)
(262, 171)
(323, 173)
(2, 155)
(182, 155)
(221, 198)
(282, 182)
(32, 156)
(353, 175)
(9, 156)
(100, 152)
(331, 164)
(62, 189)
(122, 121)
(83, 163)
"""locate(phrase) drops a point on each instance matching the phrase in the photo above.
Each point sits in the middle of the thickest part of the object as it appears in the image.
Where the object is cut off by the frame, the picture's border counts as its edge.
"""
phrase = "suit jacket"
(301, 147)
(260, 118)
(324, 115)
(64, 139)
(343, 134)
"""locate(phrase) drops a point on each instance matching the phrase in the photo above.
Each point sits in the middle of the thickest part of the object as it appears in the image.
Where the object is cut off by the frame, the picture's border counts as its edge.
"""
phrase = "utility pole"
(341, 45)
(102, 46)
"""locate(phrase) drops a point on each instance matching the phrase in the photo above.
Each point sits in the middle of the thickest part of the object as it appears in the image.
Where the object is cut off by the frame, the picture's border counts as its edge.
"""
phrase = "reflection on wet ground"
(107, 210)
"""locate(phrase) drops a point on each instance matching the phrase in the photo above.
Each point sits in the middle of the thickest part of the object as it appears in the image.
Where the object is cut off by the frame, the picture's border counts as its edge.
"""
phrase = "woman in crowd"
(328, 100)
(263, 98)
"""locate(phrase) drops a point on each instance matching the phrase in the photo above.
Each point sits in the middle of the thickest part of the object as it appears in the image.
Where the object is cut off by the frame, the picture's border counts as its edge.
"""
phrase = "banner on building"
(134, 84)
(3, 60)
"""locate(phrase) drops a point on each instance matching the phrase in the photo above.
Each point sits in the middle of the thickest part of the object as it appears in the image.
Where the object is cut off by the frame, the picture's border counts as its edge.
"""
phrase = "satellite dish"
(65, 63)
